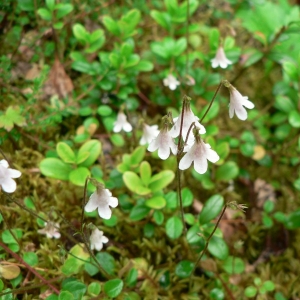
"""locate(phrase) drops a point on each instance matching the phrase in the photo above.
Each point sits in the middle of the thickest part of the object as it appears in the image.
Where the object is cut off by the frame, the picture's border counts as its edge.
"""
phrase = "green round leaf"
(94, 148)
(65, 153)
(79, 176)
(104, 110)
(187, 197)
(145, 172)
(184, 269)
(75, 287)
(157, 202)
(217, 294)
(161, 180)
(211, 209)
(158, 217)
(55, 168)
(139, 212)
(268, 286)
(111, 222)
(117, 139)
(174, 227)
(31, 258)
(218, 248)
(135, 184)
(250, 291)
(65, 295)
(149, 230)
(45, 14)
(233, 265)
(113, 287)
(294, 118)
(131, 278)
(228, 171)
(94, 288)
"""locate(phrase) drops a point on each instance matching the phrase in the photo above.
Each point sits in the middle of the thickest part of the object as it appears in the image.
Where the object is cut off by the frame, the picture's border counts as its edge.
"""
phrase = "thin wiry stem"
(210, 236)
(212, 101)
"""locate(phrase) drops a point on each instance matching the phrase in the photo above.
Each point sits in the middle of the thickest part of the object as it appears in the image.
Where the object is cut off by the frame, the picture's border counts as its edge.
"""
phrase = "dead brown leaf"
(58, 83)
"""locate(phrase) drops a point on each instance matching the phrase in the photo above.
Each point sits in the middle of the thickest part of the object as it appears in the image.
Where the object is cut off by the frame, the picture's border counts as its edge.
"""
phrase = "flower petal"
(104, 212)
(93, 203)
(8, 185)
(4, 163)
(113, 202)
(200, 164)
(186, 160)
(13, 173)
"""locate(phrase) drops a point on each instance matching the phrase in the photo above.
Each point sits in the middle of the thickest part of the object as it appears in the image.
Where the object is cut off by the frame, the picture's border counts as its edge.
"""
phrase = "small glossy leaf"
(45, 14)
(65, 153)
(94, 288)
(8, 238)
(174, 227)
(161, 180)
(80, 33)
(145, 172)
(250, 291)
(227, 171)
(135, 184)
(211, 209)
(218, 247)
(233, 265)
(187, 197)
(65, 295)
(55, 168)
(157, 202)
(94, 148)
(158, 217)
(111, 25)
(184, 269)
(294, 118)
(31, 258)
(137, 155)
(79, 176)
(113, 287)
(139, 212)
(63, 9)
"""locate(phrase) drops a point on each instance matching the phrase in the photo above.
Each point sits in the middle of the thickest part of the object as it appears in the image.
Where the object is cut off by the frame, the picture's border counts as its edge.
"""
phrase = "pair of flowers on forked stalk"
(188, 128)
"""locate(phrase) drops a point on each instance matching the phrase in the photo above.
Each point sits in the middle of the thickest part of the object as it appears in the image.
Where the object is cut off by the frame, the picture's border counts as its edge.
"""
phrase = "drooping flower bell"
(97, 239)
(149, 134)
(163, 142)
(6, 174)
(220, 59)
(198, 154)
(50, 230)
(188, 119)
(101, 199)
(237, 103)
(171, 82)
(121, 123)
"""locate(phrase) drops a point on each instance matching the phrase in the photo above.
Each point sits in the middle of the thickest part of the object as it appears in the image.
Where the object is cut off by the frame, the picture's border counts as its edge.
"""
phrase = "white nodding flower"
(121, 123)
(149, 134)
(171, 82)
(237, 103)
(199, 153)
(97, 239)
(188, 119)
(220, 59)
(102, 200)
(164, 143)
(6, 174)
(50, 230)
